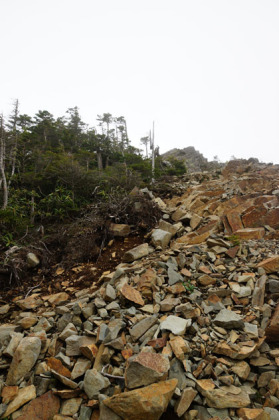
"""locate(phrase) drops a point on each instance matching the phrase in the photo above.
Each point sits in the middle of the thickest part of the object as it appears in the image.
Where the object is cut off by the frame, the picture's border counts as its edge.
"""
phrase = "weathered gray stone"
(94, 382)
(141, 327)
(174, 276)
(175, 324)
(11, 348)
(85, 413)
(168, 227)
(24, 359)
(73, 345)
(228, 320)
(137, 253)
(169, 303)
(32, 260)
(70, 407)
(5, 331)
(177, 372)
(160, 238)
(81, 366)
(110, 293)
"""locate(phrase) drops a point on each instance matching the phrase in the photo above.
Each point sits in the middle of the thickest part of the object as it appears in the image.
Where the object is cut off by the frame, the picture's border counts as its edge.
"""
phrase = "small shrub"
(234, 239)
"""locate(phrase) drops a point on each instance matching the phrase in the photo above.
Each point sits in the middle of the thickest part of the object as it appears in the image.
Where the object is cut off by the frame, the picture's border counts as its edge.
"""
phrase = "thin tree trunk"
(99, 161)
(2, 167)
(32, 212)
(127, 138)
(14, 148)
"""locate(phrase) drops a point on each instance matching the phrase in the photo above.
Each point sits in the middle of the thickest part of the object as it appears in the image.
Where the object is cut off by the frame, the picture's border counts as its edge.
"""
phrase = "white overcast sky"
(207, 71)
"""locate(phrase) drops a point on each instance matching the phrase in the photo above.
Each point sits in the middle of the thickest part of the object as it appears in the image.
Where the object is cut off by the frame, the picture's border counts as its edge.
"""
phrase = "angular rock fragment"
(32, 259)
(160, 238)
(184, 402)
(142, 326)
(23, 396)
(252, 414)
(175, 324)
(121, 230)
(24, 359)
(132, 294)
(272, 330)
(94, 383)
(228, 320)
(227, 397)
(250, 233)
(146, 368)
(44, 407)
(137, 253)
(147, 403)
(270, 265)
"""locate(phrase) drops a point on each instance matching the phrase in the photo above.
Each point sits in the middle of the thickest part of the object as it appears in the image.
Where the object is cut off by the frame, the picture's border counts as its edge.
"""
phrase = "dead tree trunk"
(13, 121)
(2, 164)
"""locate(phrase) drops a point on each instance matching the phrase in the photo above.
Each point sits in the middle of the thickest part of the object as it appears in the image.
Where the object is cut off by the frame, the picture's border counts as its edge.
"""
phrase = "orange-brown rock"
(8, 393)
(237, 352)
(234, 221)
(206, 280)
(127, 353)
(204, 385)
(158, 343)
(270, 265)
(89, 350)
(66, 394)
(23, 396)
(58, 366)
(193, 238)
(231, 252)
(57, 298)
(252, 414)
(179, 346)
(146, 368)
(272, 330)
(184, 402)
(148, 403)
(250, 233)
(241, 369)
(42, 408)
(31, 302)
(147, 283)
(132, 294)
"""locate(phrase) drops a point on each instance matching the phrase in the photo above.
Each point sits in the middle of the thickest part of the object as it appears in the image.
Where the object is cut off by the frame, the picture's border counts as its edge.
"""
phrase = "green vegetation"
(234, 239)
(189, 287)
(52, 167)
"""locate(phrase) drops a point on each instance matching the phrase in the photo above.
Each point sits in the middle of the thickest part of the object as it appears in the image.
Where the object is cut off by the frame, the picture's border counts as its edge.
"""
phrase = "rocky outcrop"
(194, 160)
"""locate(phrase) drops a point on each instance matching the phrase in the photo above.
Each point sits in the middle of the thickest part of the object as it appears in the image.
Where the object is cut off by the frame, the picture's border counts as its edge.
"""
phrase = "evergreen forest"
(51, 167)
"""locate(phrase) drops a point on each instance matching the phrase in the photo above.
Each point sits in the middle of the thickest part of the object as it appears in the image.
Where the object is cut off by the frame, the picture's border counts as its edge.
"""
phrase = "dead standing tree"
(2, 163)
(13, 140)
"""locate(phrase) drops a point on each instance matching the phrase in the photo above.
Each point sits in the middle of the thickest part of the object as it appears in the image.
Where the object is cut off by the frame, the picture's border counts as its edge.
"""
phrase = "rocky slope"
(193, 159)
(187, 326)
